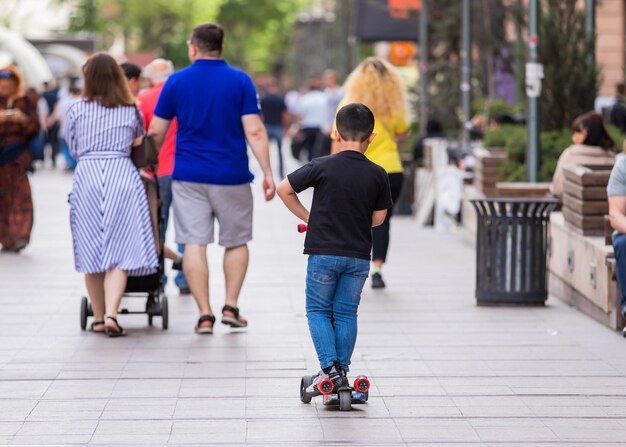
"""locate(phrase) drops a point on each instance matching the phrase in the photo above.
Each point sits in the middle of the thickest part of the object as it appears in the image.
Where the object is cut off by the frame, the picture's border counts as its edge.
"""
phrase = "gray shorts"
(197, 205)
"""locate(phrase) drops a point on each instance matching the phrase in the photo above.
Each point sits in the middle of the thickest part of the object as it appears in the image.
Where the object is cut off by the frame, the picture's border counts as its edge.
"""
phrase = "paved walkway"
(444, 372)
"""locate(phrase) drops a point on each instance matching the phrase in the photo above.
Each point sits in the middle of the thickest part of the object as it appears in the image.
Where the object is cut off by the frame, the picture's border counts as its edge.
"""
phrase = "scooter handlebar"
(302, 228)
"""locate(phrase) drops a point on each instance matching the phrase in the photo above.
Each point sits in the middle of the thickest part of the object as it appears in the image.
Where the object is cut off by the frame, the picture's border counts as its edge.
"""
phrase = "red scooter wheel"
(362, 384)
(326, 386)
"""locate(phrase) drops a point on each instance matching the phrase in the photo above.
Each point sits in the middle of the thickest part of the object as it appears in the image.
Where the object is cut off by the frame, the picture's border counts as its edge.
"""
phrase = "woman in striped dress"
(109, 216)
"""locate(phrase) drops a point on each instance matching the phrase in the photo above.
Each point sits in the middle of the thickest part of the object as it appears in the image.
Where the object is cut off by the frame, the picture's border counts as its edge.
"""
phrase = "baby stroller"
(150, 285)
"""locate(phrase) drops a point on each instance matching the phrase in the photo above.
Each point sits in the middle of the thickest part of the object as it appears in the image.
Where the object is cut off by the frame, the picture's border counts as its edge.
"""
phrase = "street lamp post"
(466, 72)
(423, 63)
(534, 74)
(590, 28)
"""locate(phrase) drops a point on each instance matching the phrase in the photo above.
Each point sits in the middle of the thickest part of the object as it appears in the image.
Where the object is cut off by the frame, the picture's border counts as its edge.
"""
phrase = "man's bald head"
(158, 71)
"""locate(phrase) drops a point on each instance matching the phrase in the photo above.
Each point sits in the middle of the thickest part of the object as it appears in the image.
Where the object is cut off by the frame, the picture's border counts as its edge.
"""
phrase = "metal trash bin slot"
(511, 248)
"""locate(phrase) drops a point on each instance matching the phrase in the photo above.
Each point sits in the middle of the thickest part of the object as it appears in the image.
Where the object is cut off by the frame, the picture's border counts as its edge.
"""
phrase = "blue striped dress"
(109, 215)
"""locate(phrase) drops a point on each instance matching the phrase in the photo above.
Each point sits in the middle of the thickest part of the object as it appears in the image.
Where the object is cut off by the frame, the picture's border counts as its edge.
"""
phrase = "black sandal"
(205, 330)
(233, 321)
(119, 332)
(93, 326)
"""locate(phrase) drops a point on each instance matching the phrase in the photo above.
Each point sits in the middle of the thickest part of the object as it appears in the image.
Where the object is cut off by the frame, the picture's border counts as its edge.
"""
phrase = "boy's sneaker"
(336, 375)
(377, 281)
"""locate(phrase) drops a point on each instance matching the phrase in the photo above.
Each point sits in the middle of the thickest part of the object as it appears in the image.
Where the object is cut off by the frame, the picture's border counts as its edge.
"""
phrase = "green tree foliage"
(445, 59)
(257, 31)
(570, 84)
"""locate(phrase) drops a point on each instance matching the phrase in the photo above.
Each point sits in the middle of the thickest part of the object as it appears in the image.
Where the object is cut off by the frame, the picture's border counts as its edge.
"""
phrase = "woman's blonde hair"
(14, 73)
(377, 84)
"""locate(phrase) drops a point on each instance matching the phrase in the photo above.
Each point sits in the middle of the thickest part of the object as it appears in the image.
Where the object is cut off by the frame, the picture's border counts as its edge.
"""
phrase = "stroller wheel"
(84, 303)
(149, 320)
(164, 313)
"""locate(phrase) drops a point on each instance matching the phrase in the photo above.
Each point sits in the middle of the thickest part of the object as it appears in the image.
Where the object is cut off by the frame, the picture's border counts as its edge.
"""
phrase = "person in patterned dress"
(109, 215)
(18, 124)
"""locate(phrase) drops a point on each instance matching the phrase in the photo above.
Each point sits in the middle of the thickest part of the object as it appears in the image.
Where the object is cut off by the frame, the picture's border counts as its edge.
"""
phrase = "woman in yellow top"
(377, 84)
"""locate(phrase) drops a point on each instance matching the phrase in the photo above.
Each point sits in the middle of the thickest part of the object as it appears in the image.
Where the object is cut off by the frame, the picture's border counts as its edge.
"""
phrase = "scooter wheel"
(361, 384)
(84, 313)
(326, 386)
(304, 384)
(345, 400)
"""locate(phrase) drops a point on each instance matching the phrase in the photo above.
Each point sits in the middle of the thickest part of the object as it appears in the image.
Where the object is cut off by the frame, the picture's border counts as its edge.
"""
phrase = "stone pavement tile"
(115, 355)
(23, 389)
(271, 387)
(473, 386)
(280, 407)
(9, 428)
(135, 428)
(72, 389)
(391, 368)
(62, 439)
(213, 431)
(351, 430)
(436, 430)
(146, 388)
(64, 410)
(144, 438)
(159, 355)
(15, 370)
(153, 370)
(281, 354)
(16, 409)
(213, 388)
(286, 431)
(422, 407)
(210, 408)
(217, 355)
(215, 370)
(375, 408)
(138, 408)
(563, 368)
(512, 430)
(67, 427)
(587, 430)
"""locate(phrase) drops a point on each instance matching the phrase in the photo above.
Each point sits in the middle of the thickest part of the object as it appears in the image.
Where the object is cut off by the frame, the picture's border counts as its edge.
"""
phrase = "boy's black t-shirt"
(348, 189)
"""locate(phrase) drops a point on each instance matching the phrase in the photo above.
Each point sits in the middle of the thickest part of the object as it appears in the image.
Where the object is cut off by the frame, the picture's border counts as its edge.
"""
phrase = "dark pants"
(276, 133)
(52, 138)
(312, 138)
(619, 246)
(165, 191)
(380, 234)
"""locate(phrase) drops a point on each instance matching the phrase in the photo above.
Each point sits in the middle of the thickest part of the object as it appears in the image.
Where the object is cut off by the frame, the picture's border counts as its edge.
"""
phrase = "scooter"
(344, 397)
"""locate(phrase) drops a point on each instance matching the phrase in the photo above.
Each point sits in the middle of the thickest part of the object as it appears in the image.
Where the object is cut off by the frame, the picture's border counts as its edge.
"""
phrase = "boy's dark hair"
(355, 122)
(208, 37)
(131, 71)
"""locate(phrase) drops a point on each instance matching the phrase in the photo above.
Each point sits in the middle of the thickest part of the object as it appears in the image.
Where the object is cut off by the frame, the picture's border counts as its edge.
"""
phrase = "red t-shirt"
(147, 102)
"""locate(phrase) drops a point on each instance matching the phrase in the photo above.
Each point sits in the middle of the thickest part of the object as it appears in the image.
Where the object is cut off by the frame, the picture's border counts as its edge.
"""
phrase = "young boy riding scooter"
(351, 195)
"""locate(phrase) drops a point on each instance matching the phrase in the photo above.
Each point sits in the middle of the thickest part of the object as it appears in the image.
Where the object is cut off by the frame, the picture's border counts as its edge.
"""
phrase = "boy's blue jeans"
(333, 290)
(619, 246)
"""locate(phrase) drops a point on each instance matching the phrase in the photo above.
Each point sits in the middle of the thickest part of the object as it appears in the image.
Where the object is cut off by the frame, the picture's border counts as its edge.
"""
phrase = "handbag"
(146, 153)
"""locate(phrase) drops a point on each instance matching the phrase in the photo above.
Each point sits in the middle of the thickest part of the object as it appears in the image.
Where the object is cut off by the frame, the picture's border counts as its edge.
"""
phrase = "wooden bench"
(582, 273)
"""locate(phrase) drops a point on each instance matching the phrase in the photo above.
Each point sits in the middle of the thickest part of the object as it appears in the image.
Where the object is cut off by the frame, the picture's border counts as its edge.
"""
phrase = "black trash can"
(511, 249)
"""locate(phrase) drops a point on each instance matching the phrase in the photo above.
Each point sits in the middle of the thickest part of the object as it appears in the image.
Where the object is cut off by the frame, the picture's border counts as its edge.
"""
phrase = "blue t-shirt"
(208, 99)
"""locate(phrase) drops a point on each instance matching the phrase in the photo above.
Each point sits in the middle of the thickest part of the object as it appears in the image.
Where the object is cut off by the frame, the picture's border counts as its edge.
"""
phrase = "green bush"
(490, 107)
(514, 140)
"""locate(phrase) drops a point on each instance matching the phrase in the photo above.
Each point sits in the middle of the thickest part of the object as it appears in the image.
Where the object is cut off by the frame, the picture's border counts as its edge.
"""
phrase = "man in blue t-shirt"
(217, 110)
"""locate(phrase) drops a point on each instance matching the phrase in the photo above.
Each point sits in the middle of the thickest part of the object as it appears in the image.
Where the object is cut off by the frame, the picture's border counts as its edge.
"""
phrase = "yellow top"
(383, 150)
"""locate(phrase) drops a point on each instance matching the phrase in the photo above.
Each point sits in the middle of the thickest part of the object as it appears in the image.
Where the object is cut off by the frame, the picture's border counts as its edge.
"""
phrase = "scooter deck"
(333, 399)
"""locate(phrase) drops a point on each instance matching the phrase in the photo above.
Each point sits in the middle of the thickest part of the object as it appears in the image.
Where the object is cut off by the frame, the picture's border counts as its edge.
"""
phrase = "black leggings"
(380, 234)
